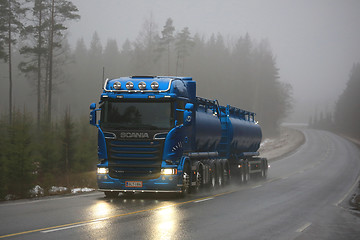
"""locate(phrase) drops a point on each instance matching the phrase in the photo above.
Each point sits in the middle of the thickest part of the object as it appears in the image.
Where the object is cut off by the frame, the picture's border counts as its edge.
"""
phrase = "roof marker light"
(117, 85)
(154, 85)
(129, 85)
(142, 85)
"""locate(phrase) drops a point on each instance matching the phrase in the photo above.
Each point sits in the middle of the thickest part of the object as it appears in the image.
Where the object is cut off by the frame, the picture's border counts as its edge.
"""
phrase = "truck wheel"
(198, 180)
(186, 181)
(220, 176)
(246, 174)
(264, 168)
(226, 174)
(111, 194)
(264, 173)
(213, 177)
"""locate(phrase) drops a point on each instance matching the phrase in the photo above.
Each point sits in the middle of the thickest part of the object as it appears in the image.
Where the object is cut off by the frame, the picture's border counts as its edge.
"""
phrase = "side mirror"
(188, 114)
(189, 107)
(92, 118)
(92, 106)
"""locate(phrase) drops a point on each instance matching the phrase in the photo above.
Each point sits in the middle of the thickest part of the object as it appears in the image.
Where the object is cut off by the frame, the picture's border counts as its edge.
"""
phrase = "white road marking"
(305, 226)
(74, 226)
(202, 200)
(256, 186)
(64, 228)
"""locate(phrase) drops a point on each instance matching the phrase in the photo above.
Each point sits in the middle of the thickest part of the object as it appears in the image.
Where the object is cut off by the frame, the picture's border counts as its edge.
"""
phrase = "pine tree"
(60, 12)
(19, 153)
(347, 115)
(183, 44)
(166, 40)
(35, 49)
(11, 14)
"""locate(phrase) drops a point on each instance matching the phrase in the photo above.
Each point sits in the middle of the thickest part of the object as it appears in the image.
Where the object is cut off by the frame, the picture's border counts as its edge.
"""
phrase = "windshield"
(137, 115)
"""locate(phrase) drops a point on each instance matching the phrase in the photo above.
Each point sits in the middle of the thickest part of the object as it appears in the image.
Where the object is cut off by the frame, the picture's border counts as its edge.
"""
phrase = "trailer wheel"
(220, 176)
(226, 173)
(111, 194)
(213, 177)
(264, 169)
(246, 172)
(198, 180)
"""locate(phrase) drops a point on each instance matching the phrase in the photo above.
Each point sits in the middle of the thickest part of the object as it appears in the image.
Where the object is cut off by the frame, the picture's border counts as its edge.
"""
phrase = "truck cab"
(143, 131)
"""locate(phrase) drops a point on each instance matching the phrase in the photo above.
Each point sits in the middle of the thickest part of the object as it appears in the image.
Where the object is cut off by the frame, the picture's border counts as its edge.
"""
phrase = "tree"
(111, 58)
(19, 153)
(68, 141)
(60, 12)
(166, 40)
(36, 48)
(145, 47)
(183, 44)
(11, 13)
(347, 115)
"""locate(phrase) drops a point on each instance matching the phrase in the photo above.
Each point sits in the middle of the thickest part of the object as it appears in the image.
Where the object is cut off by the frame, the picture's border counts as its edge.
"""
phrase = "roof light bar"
(129, 85)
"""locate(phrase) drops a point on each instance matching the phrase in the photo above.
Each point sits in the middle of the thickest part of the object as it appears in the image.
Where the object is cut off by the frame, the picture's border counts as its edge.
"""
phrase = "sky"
(315, 42)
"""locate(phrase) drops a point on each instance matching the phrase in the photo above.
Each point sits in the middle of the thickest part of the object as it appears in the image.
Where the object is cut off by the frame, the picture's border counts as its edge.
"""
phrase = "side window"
(180, 104)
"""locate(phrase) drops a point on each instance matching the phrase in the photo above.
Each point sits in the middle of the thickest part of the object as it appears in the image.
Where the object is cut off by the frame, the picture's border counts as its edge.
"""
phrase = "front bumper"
(165, 183)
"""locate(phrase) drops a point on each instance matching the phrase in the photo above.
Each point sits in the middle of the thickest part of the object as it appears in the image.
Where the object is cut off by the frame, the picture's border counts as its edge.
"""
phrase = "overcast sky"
(315, 42)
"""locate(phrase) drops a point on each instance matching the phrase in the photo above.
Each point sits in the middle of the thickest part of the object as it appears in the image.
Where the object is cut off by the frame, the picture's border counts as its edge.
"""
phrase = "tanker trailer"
(155, 135)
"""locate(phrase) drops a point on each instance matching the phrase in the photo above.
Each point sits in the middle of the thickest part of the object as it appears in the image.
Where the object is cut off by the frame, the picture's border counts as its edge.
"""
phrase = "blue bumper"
(165, 183)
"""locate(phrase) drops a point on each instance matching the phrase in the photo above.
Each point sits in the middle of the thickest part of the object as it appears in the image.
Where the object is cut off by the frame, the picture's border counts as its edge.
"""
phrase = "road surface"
(304, 197)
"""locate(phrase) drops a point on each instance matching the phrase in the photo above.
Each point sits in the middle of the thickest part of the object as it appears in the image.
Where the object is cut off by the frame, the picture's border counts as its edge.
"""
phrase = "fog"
(315, 43)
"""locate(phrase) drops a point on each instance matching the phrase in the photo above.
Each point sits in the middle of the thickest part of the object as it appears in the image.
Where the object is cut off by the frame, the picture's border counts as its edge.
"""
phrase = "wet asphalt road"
(304, 197)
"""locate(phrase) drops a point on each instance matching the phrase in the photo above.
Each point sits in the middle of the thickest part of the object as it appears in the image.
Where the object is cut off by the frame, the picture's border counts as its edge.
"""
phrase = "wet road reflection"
(166, 223)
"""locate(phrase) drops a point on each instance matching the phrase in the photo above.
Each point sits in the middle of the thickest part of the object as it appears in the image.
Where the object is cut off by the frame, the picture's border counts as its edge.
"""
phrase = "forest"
(345, 117)
(47, 141)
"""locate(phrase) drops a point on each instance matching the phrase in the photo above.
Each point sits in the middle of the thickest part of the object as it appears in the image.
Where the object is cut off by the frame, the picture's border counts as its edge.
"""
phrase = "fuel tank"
(244, 135)
(207, 130)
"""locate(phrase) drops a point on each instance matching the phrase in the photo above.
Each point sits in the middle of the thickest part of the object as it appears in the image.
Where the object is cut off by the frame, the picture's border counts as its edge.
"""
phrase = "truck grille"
(135, 159)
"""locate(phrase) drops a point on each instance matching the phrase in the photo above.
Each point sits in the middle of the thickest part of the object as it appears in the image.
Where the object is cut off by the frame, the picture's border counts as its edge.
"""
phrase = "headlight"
(102, 170)
(168, 171)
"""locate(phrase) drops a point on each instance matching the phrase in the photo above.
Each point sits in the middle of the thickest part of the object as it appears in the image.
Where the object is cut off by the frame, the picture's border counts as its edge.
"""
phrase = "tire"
(246, 173)
(226, 174)
(198, 180)
(186, 180)
(213, 178)
(111, 194)
(264, 169)
(220, 176)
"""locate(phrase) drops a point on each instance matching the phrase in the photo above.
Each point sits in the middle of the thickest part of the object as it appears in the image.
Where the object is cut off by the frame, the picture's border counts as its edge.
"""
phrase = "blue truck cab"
(144, 129)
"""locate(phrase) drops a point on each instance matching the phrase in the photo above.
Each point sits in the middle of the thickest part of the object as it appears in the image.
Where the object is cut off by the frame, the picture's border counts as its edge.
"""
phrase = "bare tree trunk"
(39, 72)
(51, 46)
(10, 67)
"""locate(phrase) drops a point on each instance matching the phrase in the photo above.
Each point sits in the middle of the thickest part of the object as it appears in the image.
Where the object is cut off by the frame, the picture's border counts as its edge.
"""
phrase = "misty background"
(315, 43)
(288, 61)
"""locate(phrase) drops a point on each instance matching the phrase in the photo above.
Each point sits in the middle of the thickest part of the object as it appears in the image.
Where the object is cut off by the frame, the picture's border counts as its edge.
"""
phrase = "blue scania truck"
(156, 135)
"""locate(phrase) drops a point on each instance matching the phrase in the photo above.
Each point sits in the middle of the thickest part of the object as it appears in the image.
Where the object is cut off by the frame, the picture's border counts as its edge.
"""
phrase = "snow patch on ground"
(288, 140)
(81, 190)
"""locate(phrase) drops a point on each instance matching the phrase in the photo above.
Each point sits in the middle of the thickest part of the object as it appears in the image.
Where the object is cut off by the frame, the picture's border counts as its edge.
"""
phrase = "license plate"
(138, 184)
